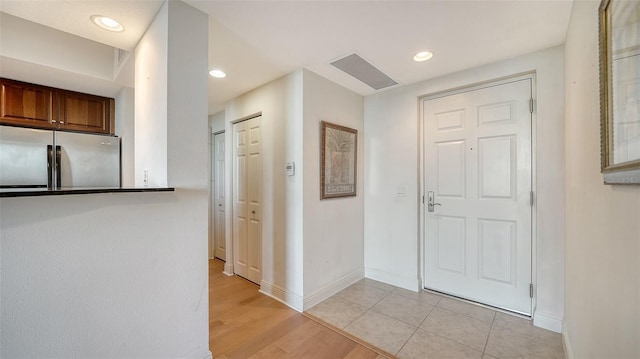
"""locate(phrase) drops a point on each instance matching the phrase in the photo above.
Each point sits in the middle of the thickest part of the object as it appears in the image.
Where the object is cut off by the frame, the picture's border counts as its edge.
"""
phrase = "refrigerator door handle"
(50, 166)
(58, 161)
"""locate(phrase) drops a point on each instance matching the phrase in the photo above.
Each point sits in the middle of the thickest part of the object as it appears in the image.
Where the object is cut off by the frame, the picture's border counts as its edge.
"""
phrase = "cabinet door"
(27, 105)
(87, 113)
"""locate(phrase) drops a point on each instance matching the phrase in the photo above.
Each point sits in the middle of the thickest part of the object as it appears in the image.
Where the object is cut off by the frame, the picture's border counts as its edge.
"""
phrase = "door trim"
(421, 169)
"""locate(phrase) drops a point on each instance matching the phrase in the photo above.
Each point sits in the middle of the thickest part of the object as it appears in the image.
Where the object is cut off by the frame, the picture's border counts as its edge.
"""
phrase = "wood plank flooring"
(244, 323)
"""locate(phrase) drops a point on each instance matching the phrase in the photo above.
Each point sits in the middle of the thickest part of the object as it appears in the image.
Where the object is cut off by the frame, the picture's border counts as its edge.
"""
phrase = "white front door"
(478, 167)
(247, 199)
(218, 195)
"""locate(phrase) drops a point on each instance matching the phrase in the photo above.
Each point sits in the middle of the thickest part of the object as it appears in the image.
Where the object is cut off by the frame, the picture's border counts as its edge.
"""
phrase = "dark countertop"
(33, 192)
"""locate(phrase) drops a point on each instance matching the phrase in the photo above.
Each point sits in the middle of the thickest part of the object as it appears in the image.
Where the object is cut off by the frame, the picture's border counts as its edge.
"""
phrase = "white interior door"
(218, 193)
(478, 167)
(247, 199)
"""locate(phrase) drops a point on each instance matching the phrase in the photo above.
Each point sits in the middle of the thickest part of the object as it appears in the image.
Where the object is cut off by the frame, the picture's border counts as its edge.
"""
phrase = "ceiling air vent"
(357, 67)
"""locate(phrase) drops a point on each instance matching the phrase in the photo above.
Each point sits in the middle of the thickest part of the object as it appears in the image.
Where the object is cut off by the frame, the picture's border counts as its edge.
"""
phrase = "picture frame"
(338, 161)
(619, 32)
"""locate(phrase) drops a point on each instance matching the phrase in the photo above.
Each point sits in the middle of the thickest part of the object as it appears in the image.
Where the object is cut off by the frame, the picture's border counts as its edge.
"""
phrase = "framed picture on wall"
(338, 156)
(620, 91)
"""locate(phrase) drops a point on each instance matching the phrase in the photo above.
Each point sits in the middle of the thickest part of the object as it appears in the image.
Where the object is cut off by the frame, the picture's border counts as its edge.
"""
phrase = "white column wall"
(392, 242)
(333, 228)
(151, 66)
(602, 257)
(280, 102)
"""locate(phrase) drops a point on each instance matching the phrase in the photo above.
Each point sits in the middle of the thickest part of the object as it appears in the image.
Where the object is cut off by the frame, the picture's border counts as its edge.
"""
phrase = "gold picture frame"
(619, 31)
(338, 161)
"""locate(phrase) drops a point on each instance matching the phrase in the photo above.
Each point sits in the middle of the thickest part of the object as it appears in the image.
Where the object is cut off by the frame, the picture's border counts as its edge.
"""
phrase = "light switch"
(401, 191)
(291, 168)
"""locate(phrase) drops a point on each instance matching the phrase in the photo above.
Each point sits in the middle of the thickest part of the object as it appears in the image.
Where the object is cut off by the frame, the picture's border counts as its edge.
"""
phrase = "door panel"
(451, 244)
(240, 199)
(247, 230)
(451, 168)
(255, 200)
(478, 164)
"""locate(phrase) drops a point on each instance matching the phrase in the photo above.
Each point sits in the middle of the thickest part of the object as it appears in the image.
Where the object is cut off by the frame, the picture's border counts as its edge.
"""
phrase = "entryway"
(217, 186)
(247, 199)
(478, 193)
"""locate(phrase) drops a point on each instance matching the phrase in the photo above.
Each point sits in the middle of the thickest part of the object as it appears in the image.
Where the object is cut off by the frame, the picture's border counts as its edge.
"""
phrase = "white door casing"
(219, 196)
(247, 199)
(478, 164)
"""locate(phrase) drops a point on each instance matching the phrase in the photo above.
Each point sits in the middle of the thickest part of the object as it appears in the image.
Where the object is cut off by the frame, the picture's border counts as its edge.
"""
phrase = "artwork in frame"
(620, 91)
(338, 161)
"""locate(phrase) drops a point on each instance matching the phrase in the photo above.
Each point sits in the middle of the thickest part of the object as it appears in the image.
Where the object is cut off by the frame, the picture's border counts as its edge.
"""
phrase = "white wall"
(333, 229)
(280, 102)
(119, 275)
(125, 129)
(603, 221)
(392, 243)
(216, 122)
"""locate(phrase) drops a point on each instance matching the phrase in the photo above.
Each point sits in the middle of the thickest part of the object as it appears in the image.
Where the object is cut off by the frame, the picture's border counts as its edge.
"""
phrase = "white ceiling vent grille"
(357, 67)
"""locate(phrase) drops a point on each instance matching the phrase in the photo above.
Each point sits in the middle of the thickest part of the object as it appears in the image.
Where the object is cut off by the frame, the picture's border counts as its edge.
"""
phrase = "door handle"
(431, 201)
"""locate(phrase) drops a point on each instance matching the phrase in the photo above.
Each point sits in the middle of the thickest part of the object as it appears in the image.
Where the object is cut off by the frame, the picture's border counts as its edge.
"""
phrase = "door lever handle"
(431, 201)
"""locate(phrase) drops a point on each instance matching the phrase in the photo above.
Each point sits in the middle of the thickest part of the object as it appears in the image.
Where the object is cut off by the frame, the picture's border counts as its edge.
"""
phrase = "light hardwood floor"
(244, 323)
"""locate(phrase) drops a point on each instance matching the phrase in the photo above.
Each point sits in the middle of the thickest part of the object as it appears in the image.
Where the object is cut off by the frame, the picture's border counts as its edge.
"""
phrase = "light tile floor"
(427, 325)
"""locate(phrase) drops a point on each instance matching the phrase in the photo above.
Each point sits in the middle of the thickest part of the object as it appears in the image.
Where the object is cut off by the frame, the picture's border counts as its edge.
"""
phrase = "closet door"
(218, 194)
(247, 199)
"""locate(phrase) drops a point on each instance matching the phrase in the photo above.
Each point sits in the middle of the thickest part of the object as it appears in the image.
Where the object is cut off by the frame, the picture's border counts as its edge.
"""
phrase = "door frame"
(421, 169)
(229, 269)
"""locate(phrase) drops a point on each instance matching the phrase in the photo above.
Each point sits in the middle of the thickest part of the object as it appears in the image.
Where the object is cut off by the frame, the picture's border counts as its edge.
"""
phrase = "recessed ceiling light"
(422, 56)
(217, 73)
(107, 23)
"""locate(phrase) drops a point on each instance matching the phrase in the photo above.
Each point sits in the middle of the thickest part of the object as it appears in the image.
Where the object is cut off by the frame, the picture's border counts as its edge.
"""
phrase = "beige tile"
(468, 309)
(402, 308)
(460, 328)
(524, 326)
(383, 332)
(422, 296)
(505, 343)
(426, 345)
(337, 311)
(362, 294)
(376, 284)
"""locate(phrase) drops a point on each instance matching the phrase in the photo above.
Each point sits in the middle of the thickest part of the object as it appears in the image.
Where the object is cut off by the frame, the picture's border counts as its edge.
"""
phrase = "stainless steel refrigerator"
(31, 158)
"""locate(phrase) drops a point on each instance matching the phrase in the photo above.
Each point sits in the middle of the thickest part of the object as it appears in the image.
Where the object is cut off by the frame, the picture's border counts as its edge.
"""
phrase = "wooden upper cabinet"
(27, 105)
(82, 112)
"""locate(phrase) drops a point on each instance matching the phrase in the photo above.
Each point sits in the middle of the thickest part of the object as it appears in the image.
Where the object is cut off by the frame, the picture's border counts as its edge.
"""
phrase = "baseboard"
(228, 269)
(410, 283)
(547, 321)
(566, 342)
(332, 288)
(208, 356)
(291, 300)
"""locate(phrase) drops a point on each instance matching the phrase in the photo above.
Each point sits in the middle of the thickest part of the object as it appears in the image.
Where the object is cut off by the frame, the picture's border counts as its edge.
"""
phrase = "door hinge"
(531, 198)
(531, 290)
(531, 105)
(422, 199)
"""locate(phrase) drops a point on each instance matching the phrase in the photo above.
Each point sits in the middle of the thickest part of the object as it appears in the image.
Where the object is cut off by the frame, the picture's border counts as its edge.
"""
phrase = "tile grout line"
(489, 335)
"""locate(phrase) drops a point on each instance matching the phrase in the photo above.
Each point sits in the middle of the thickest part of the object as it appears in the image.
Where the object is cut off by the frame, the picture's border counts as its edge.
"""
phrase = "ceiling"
(255, 42)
